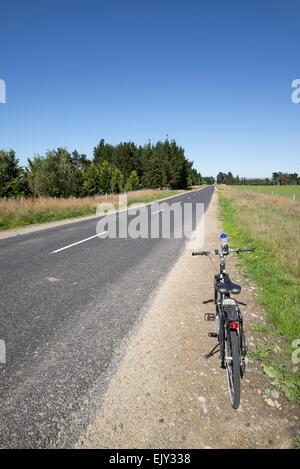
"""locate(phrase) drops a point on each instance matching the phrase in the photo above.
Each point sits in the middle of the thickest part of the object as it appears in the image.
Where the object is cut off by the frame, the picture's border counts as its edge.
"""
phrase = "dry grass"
(272, 225)
(273, 220)
(21, 212)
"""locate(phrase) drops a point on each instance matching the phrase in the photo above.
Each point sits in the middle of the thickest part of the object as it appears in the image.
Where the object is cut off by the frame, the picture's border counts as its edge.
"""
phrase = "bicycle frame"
(228, 313)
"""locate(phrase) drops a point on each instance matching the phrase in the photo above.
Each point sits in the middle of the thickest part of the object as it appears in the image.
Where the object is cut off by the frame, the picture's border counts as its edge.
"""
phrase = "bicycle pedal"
(209, 317)
(212, 334)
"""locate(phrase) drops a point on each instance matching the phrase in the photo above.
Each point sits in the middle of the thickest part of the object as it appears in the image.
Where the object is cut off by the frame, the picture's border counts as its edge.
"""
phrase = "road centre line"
(78, 242)
(118, 211)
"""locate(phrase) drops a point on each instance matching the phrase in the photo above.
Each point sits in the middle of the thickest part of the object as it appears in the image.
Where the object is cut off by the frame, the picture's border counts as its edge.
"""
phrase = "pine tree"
(13, 179)
(117, 180)
(132, 183)
(105, 178)
(90, 181)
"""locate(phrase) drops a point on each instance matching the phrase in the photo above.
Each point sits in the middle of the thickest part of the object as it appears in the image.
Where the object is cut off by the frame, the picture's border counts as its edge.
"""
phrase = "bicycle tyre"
(233, 367)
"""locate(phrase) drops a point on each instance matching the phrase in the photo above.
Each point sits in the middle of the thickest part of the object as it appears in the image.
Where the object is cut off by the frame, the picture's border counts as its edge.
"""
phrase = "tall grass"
(21, 212)
(271, 224)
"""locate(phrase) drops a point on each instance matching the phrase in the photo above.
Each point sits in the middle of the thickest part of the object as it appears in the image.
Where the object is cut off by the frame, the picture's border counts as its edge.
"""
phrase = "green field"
(286, 191)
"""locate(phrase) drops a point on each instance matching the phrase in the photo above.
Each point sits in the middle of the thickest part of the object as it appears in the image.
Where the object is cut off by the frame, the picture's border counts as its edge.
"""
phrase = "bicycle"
(229, 321)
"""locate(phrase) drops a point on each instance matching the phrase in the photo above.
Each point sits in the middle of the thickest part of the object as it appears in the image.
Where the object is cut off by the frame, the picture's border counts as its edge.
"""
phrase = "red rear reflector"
(234, 325)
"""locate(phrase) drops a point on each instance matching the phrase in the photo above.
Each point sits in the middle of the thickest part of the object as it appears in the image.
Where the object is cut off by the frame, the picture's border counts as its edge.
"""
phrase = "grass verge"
(272, 225)
(21, 212)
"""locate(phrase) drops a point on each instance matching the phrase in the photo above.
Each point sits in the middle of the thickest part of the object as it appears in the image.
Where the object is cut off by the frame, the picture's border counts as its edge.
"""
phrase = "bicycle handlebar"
(216, 251)
(204, 253)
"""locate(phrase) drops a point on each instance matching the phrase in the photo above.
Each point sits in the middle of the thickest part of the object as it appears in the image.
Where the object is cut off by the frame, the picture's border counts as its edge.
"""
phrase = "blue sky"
(214, 75)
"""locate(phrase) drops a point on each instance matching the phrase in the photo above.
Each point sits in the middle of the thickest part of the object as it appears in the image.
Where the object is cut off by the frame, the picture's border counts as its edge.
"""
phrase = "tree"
(90, 181)
(57, 174)
(132, 183)
(221, 178)
(105, 178)
(13, 179)
(194, 178)
(117, 180)
(79, 161)
(103, 152)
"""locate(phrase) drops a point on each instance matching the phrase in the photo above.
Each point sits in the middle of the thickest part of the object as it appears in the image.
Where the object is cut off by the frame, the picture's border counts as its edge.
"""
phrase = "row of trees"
(277, 179)
(285, 179)
(112, 169)
(228, 178)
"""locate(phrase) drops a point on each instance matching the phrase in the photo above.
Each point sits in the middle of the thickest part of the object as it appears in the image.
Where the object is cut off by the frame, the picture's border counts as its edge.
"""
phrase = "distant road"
(69, 300)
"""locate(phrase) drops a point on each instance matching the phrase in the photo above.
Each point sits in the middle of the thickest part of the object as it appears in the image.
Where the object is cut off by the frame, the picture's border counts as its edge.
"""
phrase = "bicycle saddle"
(227, 286)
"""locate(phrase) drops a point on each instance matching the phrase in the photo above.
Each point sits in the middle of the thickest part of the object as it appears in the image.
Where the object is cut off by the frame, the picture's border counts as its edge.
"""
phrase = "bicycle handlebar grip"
(200, 253)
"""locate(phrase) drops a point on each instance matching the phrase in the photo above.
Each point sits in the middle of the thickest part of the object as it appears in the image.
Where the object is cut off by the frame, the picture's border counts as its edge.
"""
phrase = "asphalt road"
(67, 309)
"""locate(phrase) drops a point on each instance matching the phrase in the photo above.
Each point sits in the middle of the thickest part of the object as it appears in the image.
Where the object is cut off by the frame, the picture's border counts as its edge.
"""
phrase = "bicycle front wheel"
(233, 366)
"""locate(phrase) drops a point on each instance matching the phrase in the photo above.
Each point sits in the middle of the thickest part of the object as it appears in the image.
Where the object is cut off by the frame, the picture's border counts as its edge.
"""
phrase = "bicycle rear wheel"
(233, 366)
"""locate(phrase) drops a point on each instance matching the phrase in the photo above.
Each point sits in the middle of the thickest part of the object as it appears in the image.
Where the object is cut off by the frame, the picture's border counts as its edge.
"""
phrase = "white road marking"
(78, 242)
(52, 279)
(118, 211)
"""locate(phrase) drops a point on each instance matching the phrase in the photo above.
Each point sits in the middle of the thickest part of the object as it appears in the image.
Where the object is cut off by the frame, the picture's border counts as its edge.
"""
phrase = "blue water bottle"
(224, 242)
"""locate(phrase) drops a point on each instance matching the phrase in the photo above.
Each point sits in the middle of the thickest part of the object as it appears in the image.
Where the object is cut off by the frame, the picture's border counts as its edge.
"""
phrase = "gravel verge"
(165, 394)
